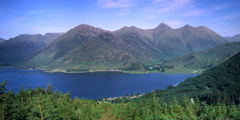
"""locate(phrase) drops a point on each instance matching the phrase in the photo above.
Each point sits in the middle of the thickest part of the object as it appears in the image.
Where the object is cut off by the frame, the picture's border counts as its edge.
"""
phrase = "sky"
(43, 16)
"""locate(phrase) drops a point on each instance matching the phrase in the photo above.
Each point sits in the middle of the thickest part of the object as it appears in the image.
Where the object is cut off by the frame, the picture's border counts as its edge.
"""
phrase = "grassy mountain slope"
(16, 49)
(86, 47)
(206, 59)
(219, 83)
(62, 45)
(178, 42)
(101, 53)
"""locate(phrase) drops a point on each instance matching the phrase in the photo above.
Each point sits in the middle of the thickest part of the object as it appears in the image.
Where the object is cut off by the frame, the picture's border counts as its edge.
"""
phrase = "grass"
(182, 70)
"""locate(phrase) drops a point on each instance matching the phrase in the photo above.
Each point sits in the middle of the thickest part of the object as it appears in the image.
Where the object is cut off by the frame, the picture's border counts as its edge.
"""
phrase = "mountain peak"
(187, 26)
(128, 29)
(85, 29)
(163, 26)
(85, 26)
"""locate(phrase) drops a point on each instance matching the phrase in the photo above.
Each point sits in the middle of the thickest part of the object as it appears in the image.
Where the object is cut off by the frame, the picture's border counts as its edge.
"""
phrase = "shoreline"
(121, 71)
(190, 71)
(90, 71)
(93, 71)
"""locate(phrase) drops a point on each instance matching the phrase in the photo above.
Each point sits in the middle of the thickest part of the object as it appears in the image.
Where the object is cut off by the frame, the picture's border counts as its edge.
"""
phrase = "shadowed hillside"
(16, 49)
(86, 47)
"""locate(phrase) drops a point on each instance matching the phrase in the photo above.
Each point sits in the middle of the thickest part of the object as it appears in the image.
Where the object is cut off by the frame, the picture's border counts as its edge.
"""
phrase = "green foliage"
(41, 104)
(134, 67)
(2, 87)
(219, 83)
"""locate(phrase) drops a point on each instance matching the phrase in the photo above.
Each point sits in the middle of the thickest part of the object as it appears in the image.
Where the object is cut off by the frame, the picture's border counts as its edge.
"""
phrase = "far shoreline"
(199, 71)
(94, 71)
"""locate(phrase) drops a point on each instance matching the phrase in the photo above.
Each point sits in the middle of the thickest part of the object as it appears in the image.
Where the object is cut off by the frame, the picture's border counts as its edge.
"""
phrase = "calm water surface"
(90, 85)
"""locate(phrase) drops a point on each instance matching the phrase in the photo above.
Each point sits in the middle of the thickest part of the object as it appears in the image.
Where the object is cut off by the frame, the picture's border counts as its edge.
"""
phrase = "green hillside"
(220, 83)
(85, 48)
(204, 60)
(181, 41)
(104, 52)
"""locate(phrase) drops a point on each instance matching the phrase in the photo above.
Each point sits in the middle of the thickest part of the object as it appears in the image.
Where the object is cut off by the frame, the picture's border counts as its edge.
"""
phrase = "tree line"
(39, 103)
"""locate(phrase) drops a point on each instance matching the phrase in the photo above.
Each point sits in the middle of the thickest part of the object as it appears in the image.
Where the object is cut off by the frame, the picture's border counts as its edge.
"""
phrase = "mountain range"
(90, 48)
(16, 49)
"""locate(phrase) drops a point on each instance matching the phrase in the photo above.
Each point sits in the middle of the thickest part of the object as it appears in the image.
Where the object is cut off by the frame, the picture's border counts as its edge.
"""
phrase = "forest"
(45, 104)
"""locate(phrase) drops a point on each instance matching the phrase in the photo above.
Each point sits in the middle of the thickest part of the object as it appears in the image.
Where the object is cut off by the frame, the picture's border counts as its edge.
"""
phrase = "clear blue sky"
(42, 16)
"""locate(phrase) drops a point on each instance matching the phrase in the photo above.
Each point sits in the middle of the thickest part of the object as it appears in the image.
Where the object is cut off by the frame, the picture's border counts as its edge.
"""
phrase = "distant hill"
(16, 49)
(89, 48)
(235, 38)
(1, 40)
(205, 59)
(220, 83)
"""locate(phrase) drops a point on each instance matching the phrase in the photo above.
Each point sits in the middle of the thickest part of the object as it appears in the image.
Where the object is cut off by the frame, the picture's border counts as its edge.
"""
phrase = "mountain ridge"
(86, 47)
(16, 49)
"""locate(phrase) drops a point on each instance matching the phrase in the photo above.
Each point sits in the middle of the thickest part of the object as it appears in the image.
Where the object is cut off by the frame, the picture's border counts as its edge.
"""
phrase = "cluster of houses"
(159, 67)
(127, 97)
